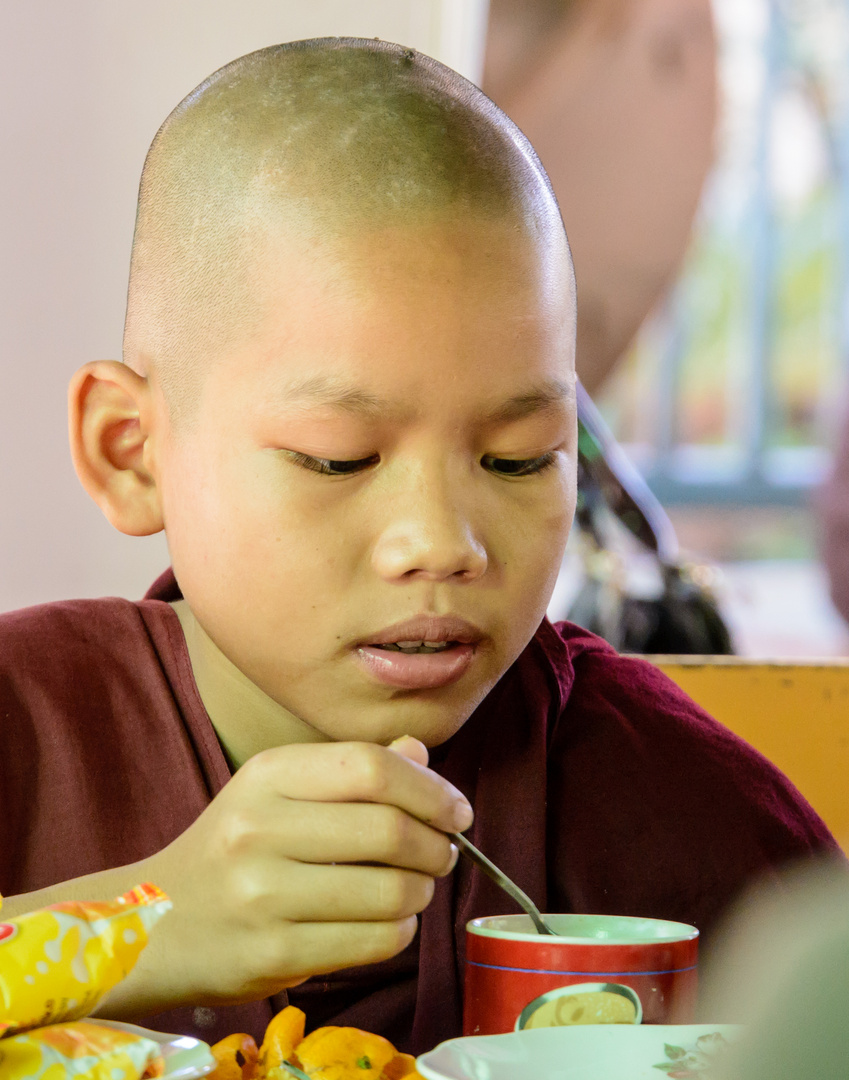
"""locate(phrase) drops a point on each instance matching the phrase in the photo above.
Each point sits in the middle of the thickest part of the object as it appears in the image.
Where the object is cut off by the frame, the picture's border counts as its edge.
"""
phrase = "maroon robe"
(597, 785)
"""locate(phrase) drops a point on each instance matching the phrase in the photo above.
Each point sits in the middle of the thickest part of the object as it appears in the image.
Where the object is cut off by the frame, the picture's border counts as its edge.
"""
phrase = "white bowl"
(593, 1052)
(185, 1058)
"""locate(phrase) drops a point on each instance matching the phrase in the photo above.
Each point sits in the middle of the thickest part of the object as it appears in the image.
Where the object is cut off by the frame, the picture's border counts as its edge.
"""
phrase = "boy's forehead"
(483, 253)
(450, 280)
(462, 313)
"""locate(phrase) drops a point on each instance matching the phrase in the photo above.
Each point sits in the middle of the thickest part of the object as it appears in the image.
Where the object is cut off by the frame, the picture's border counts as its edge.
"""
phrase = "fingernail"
(455, 855)
(463, 815)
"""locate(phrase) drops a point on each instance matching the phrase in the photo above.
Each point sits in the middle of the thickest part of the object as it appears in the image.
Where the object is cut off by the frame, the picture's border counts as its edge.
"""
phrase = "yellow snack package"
(57, 963)
(84, 1050)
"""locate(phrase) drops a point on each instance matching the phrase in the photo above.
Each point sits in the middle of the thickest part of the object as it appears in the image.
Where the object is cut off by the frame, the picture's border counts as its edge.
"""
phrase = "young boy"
(348, 398)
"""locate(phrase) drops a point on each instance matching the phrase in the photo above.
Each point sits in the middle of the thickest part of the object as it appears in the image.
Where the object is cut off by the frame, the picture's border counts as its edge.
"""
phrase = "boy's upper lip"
(427, 628)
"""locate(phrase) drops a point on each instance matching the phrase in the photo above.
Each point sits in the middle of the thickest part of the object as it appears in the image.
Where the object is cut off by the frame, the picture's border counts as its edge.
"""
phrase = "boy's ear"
(111, 419)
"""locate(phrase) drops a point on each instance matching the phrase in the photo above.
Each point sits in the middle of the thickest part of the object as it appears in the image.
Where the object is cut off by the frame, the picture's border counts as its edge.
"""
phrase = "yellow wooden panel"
(797, 715)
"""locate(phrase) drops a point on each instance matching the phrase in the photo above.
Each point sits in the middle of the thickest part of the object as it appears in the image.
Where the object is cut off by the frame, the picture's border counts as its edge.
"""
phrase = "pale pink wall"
(84, 86)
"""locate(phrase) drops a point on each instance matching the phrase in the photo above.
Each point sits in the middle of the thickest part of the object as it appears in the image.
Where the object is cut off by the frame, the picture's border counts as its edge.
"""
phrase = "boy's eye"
(513, 467)
(499, 466)
(333, 468)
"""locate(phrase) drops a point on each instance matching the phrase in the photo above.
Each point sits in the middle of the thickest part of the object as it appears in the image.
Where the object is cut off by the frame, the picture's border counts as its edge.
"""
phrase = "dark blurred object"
(683, 617)
(618, 98)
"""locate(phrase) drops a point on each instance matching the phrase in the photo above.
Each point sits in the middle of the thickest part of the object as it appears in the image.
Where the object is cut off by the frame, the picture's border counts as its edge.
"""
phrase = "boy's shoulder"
(625, 725)
(86, 669)
(591, 675)
(78, 639)
(108, 753)
(595, 680)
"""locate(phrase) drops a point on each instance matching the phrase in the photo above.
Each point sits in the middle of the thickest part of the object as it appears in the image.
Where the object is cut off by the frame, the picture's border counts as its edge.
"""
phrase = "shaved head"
(319, 141)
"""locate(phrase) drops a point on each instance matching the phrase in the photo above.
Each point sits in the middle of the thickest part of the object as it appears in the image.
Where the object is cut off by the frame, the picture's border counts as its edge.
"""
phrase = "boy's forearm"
(271, 885)
(104, 885)
(145, 990)
(151, 987)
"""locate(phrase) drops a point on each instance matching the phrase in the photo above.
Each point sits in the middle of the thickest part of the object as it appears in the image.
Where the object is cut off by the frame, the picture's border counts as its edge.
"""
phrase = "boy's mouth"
(421, 653)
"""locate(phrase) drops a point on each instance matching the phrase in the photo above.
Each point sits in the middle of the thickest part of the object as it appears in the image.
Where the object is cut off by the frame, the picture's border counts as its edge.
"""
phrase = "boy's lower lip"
(416, 671)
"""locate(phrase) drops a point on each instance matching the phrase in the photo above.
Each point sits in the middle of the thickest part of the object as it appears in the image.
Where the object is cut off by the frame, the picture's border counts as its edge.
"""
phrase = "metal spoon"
(293, 1070)
(511, 888)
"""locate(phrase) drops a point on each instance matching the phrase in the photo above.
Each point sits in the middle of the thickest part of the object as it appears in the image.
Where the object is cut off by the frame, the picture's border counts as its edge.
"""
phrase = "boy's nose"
(431, 540)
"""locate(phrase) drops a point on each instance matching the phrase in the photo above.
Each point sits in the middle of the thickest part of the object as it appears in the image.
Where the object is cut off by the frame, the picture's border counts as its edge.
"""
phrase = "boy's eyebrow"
(539, 398)
(321, 390)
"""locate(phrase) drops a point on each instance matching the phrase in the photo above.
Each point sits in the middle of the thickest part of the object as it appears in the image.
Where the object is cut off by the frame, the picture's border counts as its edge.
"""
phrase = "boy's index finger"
(410, 748)
(363, 772)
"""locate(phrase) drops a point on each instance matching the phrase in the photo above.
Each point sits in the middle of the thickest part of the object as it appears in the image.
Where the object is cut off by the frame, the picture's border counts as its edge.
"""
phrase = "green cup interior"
(589, 929)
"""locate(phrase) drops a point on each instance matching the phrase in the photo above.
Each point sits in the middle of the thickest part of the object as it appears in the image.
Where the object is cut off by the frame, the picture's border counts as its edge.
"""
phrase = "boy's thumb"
(411, 748)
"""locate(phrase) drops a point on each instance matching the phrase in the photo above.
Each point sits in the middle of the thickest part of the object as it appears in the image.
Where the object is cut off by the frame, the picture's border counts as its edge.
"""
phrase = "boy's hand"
(312, 858)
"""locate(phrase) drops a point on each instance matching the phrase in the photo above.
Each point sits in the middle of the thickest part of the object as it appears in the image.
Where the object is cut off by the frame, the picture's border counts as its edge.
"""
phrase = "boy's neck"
(245, 718)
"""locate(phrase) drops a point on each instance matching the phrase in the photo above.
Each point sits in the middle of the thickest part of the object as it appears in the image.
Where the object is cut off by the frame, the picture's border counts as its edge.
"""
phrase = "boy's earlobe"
(111, 421)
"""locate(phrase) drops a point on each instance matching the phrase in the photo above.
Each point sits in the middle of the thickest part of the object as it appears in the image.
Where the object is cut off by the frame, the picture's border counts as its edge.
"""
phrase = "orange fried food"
(330, 1053)
(236, 1058)
(342, 1053)
(401, 1067)
(282, 1035)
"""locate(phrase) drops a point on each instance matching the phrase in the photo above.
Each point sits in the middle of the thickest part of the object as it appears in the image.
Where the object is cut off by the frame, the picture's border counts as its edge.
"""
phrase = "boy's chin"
(430, 722)
(436, 726)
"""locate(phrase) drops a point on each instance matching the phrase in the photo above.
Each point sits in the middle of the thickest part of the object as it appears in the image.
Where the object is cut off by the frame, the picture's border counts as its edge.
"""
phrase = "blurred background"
(700, 153)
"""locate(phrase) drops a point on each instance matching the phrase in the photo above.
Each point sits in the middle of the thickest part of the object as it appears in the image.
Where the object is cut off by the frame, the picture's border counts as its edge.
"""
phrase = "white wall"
(84, 87)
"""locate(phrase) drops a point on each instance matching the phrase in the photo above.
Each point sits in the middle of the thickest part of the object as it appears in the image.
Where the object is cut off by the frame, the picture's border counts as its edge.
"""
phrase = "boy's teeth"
(417, 646)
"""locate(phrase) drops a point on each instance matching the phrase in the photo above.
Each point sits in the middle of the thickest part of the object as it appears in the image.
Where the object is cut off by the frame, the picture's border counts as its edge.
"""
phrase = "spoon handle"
(510, 887)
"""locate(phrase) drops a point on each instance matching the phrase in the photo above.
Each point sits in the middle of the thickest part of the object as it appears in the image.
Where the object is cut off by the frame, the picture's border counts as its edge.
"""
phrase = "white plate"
(591, 1052)
(185, 1058)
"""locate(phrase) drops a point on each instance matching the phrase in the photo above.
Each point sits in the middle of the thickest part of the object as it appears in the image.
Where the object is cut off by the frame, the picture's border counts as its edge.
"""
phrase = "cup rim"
(678, 931)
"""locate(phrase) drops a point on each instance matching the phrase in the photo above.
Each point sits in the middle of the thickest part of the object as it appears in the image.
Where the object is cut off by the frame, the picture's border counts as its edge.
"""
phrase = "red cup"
(597, 969)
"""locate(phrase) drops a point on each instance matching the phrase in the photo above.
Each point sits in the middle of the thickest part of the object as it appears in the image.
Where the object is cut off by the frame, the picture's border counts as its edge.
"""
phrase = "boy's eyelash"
(500, 466)
(328, 467)
(522, 467)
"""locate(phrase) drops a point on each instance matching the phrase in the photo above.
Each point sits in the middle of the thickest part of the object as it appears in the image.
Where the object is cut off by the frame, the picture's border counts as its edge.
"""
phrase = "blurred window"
(733, 390)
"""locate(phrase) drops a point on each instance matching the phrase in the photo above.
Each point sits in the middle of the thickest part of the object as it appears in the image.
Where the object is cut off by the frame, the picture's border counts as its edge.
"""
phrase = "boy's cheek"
(532, 539)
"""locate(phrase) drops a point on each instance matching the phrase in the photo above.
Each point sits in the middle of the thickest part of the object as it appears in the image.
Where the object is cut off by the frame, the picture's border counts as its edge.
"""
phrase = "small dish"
(185, 1058)
(594, 1052)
